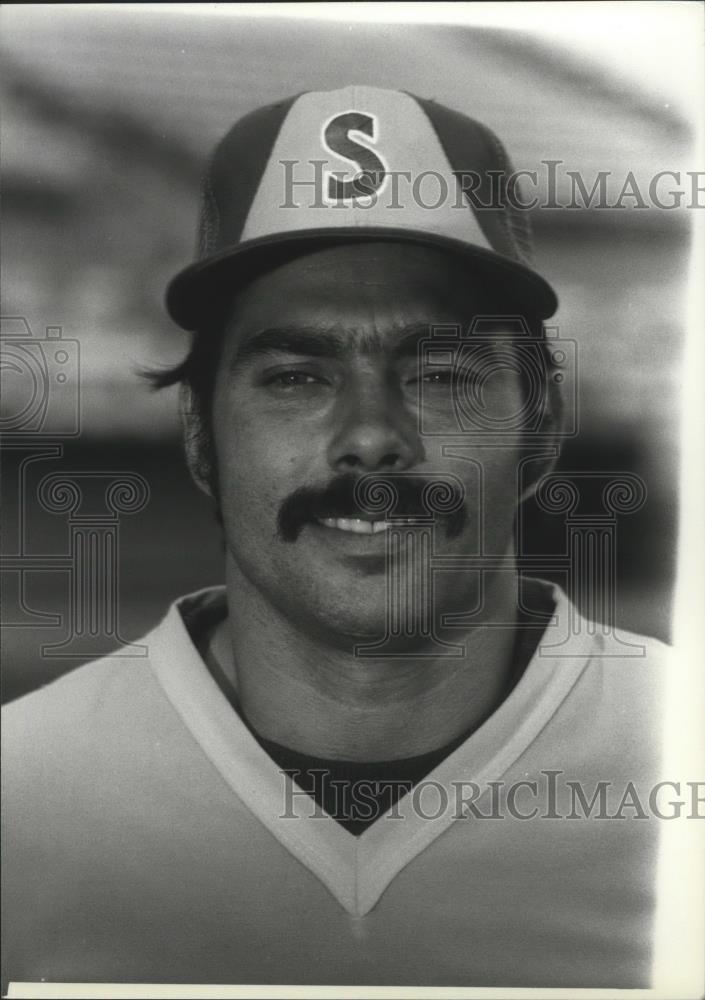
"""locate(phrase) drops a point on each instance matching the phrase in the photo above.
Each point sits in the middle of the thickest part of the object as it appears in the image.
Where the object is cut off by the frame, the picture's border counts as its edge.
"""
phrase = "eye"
(292, 379)
(435, 376)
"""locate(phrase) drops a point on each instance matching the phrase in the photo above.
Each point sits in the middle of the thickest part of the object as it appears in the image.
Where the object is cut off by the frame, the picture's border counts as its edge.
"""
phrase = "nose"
(374, 431)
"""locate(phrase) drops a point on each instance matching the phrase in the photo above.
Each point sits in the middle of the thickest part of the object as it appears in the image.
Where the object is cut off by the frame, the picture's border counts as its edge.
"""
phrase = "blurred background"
(109, 115)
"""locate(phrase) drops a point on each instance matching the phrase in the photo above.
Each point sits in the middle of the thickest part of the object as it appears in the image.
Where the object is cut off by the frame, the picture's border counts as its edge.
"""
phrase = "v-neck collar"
(355, 869)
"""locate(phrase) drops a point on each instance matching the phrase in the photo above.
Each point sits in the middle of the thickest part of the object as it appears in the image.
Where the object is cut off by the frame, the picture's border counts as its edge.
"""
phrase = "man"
(363, 760)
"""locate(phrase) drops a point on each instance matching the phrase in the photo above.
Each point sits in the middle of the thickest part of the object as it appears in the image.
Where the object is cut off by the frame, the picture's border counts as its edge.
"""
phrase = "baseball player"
(376, 755)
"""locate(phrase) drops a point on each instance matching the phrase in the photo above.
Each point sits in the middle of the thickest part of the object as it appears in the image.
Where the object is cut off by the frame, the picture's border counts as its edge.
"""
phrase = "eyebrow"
(329, 343)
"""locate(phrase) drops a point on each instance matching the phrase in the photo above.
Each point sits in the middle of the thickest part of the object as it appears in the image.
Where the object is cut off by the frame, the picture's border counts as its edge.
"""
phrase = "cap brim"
(197, 291)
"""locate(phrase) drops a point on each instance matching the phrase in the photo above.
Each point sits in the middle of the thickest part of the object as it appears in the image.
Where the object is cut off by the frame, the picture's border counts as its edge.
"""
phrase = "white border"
(623, 34)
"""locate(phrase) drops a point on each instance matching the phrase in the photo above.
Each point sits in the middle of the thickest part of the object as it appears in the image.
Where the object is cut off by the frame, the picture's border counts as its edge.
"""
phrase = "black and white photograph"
(352, 499)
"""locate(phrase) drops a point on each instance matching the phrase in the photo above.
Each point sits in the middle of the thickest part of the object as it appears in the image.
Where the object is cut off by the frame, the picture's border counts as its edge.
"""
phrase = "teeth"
(354, 524)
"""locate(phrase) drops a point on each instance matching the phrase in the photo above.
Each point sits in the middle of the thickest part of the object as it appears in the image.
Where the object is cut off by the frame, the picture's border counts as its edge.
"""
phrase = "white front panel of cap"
(382, 138)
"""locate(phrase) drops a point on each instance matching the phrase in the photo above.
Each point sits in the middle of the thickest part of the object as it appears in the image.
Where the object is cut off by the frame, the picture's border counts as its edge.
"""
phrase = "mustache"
(380, 495)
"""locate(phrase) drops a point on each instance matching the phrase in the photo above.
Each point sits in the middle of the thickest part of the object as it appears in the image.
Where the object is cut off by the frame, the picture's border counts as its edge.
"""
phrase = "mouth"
(361, 543)
(363, 526)
(358, 512)
(354, 525)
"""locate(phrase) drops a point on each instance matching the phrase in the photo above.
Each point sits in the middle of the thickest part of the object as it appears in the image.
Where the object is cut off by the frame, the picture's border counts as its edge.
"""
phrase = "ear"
(192, 426)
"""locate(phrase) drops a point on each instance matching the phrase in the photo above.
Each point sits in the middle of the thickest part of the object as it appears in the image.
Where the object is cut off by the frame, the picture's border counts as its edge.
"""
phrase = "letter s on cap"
(371, 169)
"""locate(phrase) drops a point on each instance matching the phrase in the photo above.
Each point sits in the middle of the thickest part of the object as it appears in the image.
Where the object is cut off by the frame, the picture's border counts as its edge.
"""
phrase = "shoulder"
(631, 659)
(114, 700)
(619, 701)
(68, 726)
(571, 635)
(73, 698)
(620, 676)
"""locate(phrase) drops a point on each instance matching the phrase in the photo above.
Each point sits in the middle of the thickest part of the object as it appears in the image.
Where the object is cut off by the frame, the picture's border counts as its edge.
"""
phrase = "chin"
(341, 618)
(355, 613)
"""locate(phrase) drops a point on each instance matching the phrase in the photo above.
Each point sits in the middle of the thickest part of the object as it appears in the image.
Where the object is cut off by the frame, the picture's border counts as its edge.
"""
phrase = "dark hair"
(198, 371)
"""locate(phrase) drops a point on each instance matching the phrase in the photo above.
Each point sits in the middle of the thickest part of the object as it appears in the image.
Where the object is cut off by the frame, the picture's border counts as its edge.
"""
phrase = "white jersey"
(150, 838)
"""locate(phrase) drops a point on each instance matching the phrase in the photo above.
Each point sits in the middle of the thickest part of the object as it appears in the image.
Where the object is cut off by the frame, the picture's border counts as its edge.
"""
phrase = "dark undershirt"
(352, 792)
(357, 793)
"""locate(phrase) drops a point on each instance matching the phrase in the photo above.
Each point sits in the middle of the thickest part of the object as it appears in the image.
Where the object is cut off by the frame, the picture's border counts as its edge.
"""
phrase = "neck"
(298, 691)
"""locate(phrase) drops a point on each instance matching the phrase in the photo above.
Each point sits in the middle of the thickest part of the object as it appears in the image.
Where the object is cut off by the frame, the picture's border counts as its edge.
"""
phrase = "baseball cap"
(356, 164)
